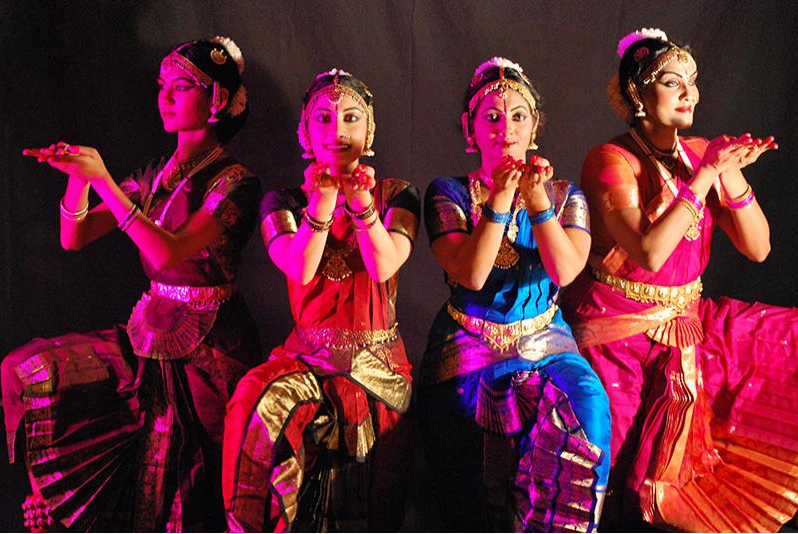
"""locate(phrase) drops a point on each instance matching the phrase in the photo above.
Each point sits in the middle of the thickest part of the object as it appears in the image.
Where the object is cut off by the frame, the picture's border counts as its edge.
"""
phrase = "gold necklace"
(694, 230)
(507, 255)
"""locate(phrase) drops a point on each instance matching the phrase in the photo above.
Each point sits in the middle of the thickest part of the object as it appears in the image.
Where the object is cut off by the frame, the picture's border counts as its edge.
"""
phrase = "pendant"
(336, 268)
(694, 230)
(507, 256)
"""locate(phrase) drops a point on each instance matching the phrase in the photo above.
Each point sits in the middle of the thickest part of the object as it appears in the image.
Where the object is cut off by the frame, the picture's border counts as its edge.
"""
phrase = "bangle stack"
(76, 216)
(541, 216)
(742, 201)
(492, 215)
(125, 223)
(360, 218)
(695, 206)
(315, 224)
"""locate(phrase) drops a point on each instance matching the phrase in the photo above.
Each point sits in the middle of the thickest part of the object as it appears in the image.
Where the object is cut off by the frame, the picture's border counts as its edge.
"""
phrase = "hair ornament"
(500, 63)
(639, 35)
(239, 102)
(333, 72)
(232, 49)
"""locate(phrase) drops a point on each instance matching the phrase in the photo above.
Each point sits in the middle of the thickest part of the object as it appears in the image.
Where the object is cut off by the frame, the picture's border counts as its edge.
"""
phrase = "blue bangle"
(494, 216)
(541, 216)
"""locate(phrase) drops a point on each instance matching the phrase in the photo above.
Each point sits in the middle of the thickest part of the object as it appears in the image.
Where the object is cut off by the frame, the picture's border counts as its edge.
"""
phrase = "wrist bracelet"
(746, 199)
(494, 216)
(690, 207)
(315, 224)
(367, 225)
(76, 216)
(362, 215)
(129, 218)
(541, 216)
(689, 195)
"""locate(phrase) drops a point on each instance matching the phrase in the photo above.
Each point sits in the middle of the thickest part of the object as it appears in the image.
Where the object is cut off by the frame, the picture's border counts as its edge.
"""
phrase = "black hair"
(638, 57)
(347, 80)
(491, 74)
(226, 74)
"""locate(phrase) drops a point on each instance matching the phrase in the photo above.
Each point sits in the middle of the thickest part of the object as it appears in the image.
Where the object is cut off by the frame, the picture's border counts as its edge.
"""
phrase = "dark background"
(85, 72)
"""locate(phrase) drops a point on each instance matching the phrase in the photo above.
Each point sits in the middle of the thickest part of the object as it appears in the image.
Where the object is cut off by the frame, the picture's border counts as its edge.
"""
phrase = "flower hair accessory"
(639, 35)
(498, 62)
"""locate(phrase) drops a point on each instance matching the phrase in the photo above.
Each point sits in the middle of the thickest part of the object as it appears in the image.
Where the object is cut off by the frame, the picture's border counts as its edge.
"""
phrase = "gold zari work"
(501, 336)
(679, 297)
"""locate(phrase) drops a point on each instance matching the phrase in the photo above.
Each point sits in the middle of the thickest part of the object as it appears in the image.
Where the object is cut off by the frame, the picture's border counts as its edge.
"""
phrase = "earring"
(472, 147)
(532, 144)
(212, 118)
(634, 96)
(639, 109)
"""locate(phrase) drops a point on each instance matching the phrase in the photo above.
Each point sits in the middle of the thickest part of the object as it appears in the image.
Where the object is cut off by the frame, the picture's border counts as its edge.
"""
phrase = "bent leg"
(263, 459)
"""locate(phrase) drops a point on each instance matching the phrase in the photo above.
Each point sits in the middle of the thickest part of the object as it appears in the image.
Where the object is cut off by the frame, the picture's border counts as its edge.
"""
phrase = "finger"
(35, 152)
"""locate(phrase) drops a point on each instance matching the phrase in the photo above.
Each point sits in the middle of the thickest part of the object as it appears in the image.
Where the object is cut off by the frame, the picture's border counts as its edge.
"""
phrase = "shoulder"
(451, 186)
(292, 199)
(561, 190)
(389, 187)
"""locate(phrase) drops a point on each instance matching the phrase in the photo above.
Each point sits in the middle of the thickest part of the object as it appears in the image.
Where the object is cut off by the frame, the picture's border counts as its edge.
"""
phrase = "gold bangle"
(76, 216)
(690, 207)
(129, 218)
(748, 191)
(362, 215)
(367, 225)
(315, 224)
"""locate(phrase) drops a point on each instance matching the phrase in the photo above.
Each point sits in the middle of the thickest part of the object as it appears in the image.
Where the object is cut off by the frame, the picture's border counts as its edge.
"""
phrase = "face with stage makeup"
(670, 100)
(503, 124)
(183, 104)
(337, 127)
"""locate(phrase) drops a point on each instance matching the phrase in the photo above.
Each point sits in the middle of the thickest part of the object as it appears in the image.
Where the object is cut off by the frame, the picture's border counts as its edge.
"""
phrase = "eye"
(670, 83)
(519, 116)
(183, 87)
(692, 82)
(352, 117)
(321, 117)
(492, 116)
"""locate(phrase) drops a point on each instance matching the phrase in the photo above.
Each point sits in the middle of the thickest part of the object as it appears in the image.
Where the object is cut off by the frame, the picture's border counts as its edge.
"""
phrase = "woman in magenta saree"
(702, 392)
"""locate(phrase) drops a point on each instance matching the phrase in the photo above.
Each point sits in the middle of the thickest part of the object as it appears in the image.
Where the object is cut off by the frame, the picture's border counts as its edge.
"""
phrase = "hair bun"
(233, 50)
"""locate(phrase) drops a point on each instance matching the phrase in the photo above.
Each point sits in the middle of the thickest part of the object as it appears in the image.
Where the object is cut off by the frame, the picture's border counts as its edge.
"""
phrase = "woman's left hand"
(534, 174)
(83, 162)
(358, 185)
(756, 149)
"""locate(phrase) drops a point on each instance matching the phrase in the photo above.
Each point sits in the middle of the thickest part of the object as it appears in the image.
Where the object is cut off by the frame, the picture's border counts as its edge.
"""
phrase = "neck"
(194, 142)
(663, 138)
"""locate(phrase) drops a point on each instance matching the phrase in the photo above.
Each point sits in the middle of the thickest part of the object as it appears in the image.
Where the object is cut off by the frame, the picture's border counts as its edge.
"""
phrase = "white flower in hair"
(639, 35)
(239, 102)
(497, 61)
(233, 50)
(332, 72)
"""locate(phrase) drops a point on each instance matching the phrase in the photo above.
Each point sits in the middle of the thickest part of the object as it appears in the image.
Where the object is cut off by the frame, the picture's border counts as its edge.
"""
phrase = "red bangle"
(745, 199)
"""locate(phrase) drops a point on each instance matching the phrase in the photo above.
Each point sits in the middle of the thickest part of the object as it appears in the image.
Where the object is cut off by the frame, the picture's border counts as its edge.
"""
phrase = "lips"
(684, 109)
(337, 147)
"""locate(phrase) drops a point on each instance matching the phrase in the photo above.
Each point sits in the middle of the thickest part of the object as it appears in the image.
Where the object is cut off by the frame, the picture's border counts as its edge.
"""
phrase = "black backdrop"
(85, 72)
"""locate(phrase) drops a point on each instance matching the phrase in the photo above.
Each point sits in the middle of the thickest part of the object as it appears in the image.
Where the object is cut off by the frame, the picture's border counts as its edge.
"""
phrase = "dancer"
(123, 427)
(515, 423)
(322, 419)
(702, 392)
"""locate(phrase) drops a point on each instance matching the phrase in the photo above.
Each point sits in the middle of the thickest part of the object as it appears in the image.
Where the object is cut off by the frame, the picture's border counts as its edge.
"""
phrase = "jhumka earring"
(216, 101)
(631, 88)
(472, 147)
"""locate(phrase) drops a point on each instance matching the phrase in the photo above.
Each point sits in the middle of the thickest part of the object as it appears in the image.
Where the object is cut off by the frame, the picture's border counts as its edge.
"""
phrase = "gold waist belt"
(501, 335)
(679, 297)
(194, 295)
(343, 338)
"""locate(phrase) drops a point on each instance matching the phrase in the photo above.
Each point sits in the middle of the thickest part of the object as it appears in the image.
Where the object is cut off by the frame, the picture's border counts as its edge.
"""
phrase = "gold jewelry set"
(198, 296)
(507, 255)
(501, 336)
(678, 297)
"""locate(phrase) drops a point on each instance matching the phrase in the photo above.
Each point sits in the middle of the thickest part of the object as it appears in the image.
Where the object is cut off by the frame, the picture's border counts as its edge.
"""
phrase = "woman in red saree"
(321, 421)
(702, 392)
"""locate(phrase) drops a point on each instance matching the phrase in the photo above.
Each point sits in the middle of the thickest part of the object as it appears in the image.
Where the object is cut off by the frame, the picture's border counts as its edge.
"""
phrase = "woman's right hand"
(318, 180)
(505, 178)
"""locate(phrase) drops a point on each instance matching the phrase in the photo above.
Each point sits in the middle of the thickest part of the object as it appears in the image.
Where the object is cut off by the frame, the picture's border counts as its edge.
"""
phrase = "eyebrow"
(522, 106)
(678, 74)
(324, 108)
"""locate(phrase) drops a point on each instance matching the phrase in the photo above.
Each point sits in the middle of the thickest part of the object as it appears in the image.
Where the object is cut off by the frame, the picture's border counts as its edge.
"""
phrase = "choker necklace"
(507, 255)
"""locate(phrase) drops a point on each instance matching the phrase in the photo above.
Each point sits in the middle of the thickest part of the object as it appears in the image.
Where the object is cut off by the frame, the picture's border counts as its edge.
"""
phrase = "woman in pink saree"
(702, 392)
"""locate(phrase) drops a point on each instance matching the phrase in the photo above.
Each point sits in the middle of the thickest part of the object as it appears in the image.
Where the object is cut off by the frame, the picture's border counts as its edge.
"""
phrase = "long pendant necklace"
(335, 268)
(507, 255)
(206, 160)
(694, 230)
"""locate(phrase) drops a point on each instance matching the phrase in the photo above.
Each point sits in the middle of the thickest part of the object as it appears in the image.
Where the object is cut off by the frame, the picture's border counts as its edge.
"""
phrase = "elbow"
(651, 260)
(474, 283)
(70, 244)
(760, 254)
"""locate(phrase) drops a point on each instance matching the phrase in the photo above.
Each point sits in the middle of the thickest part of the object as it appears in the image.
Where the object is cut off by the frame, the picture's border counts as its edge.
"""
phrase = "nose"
(504, 127)
(341, 128)
(165, 94)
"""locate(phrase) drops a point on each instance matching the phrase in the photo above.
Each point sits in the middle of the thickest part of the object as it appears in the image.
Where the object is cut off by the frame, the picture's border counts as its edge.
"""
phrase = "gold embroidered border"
(342, 338)
(276, 224)
(402, 221)
(196, 295)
